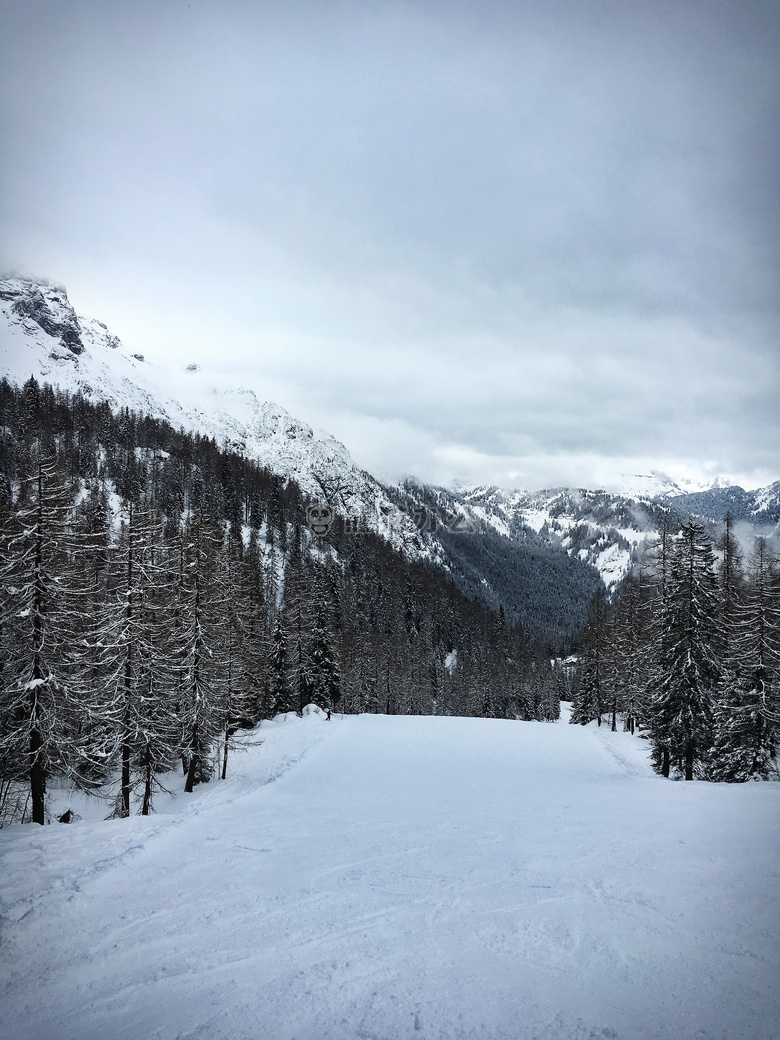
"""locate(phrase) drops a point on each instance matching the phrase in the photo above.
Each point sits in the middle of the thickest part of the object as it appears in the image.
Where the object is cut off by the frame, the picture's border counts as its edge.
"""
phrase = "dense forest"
(540, 586)
(690, 652)
(160, 591)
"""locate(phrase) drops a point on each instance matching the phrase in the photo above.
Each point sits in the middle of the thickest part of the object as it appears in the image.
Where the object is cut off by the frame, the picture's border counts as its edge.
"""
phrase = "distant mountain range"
(540, 554)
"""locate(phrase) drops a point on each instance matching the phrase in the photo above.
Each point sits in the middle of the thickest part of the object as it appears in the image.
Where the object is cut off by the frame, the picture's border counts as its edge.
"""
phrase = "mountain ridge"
(518, 531)
(94, 362)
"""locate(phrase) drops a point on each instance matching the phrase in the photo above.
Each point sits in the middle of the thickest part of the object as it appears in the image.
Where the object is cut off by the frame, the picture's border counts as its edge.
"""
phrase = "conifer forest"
(690, 652)
(161, 592)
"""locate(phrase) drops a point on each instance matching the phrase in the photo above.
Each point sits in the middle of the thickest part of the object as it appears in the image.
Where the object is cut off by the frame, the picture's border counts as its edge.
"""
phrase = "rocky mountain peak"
(41, 335)
(45, 305)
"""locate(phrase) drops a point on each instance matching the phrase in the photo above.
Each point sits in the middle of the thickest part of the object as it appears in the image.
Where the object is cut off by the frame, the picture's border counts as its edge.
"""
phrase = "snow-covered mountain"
(601, 529)
(42, 335)
(656, 484)
(608, 531)
(759, 508)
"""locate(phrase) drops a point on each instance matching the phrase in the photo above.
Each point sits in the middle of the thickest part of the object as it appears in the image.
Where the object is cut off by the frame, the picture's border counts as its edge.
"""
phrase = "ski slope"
(386, 878)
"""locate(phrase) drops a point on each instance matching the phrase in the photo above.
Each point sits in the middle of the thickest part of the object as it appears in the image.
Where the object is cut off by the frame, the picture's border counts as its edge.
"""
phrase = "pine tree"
(628, 656)
(660, 554)
(134, 642)
(298, 610)
(687, 667)
(590, 695)
(40, 704)
(277, 666)
(194, 651)
(746, 716)
(730, 580)
(238, 684)
(324, 672)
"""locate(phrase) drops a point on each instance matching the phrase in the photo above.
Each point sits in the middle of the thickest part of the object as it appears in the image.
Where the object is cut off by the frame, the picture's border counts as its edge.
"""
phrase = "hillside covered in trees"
(690, 651)
(160, 591)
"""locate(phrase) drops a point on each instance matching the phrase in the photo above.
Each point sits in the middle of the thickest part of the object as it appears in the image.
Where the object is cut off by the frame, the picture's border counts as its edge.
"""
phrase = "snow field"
(405, 877)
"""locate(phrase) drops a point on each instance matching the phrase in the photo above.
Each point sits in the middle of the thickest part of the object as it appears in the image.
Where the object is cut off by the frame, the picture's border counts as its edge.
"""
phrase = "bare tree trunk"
(125, 778)
(225, 755)
(190, 781)
(147, 802)
(37, 778)
(689, 762)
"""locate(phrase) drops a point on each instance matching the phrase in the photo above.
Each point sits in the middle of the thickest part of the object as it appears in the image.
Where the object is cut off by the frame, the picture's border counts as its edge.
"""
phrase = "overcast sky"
(530, 243)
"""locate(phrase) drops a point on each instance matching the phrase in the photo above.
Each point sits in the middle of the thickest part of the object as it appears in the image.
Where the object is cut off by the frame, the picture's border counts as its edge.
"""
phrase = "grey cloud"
(521, 230)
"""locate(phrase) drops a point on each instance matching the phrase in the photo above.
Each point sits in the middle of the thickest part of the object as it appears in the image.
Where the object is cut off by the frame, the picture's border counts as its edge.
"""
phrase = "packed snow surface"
(388, 878)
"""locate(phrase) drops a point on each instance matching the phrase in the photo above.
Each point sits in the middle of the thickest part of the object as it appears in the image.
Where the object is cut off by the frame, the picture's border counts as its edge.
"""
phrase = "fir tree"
(628, 653)
(590, 690)
(746, 715)
(40, 704)
(324, 672)
(195, 655)
(730, 581)
(681, 701)
(135, 645)
(238, 684)
(277, 666)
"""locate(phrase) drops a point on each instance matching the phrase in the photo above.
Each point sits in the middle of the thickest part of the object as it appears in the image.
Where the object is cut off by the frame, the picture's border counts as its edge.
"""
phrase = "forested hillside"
(160, 591)
(690, 650)
(543, 587)
(539, 584)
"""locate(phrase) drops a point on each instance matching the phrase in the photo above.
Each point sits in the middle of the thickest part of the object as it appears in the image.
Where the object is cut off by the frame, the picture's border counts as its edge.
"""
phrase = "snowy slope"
(41, 335)
(656, 484)
(399, 877)
(601, 529)
(761, 508)
(608, 531)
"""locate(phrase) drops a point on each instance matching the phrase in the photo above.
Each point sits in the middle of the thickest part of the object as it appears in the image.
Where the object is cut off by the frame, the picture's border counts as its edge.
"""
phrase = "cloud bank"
(528, 243)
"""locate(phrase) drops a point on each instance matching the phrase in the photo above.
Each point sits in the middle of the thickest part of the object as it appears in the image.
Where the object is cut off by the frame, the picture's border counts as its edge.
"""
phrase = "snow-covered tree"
(687, 667)
(590, 696)
(194, 648)
(238, 685)
(628, 658)
(730, 582)
(747, 713)
(134, 641)
(324, 674)
(298, 610)
(277, 665)
(41, 702)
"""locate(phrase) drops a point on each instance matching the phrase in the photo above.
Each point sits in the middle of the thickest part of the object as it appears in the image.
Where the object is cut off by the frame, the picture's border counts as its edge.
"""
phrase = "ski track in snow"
(386, 878)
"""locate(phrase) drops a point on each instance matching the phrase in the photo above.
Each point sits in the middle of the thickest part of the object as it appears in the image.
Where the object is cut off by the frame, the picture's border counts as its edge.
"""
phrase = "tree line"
(690, 652)
(160, 592)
